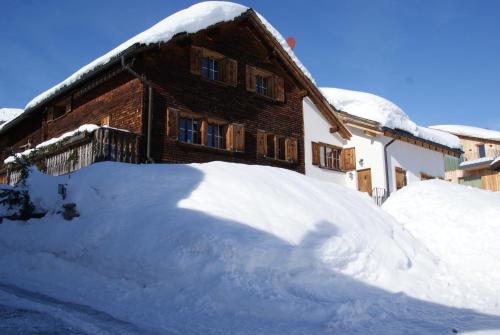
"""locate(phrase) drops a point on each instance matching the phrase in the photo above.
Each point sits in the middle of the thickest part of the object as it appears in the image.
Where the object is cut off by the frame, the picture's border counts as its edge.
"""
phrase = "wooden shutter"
(196, 55)
(315, 153)
(261, 143)
(105, 121)
(204, 132)
(291, 149)
(279, 89)
(400, 178)
(348, 159)
(235, 137)
(239, 137)
(172, 123)
(250, 78)
(230, 71)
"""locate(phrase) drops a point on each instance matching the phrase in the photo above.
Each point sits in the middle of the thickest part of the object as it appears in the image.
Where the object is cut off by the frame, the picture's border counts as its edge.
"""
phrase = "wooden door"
(400, 178)
(365, 181)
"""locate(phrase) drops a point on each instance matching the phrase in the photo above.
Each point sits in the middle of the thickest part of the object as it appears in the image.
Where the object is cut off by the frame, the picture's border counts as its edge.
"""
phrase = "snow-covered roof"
(7, 114)
(496, 162)
(386, 113)
(189, 20)
(483, 133)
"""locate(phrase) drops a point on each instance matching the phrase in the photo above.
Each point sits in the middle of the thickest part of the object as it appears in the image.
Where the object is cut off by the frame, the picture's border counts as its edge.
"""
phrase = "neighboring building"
(212, 82)
(386, 151)
(479, 165)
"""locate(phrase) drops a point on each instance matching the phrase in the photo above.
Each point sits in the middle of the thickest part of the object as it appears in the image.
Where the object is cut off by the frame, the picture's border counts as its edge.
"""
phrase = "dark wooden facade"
(119, 99)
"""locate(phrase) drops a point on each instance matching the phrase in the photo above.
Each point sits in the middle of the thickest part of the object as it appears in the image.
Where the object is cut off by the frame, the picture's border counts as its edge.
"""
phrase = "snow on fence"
(103, 144)
(379, 195)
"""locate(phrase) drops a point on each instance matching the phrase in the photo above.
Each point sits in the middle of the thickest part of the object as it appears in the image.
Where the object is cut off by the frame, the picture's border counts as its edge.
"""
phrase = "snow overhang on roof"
(388, 115)
(190, 20)
(475, 164)
(469, 131)
(8, 114)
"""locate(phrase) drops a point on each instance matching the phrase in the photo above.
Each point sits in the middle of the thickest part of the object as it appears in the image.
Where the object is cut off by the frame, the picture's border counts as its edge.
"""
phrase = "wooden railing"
(84, 149)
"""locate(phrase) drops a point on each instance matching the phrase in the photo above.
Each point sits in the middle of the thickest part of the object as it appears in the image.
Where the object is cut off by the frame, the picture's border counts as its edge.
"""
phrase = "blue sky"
(438, 60)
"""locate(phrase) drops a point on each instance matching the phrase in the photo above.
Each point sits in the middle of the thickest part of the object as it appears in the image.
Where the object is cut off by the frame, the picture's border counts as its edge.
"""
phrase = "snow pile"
(477, 132)
(86, 128)
(226, 248)
(8, 114)
(189, 20)
(478, 161)
(386, 113)
(461, 226)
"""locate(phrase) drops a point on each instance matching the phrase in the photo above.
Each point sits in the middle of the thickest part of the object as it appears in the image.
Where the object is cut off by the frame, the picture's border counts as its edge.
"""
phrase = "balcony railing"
(84, 149)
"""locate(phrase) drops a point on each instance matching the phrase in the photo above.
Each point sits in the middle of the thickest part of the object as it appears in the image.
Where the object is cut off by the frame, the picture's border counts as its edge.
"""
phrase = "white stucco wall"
(415, 160)
(317, 129)
(369, 154)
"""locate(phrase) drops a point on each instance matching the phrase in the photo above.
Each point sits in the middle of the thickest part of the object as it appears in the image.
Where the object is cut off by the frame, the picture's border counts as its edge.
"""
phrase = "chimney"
(291, 42)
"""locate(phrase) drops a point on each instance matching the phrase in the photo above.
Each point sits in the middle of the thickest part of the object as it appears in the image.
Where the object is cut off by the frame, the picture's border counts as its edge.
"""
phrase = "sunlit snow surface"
(237, 249)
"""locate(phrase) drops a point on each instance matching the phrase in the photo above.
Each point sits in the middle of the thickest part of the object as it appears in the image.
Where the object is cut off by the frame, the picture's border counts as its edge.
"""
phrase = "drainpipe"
(146, 83)
(387, 185)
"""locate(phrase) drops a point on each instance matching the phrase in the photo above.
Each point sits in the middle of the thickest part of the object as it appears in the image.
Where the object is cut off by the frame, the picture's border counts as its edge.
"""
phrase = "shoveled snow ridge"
(386, 113)
(224, 248)
(477, 132)
(189, 20)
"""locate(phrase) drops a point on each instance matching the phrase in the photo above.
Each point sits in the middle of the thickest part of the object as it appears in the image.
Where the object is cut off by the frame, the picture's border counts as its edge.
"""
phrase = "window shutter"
(172, 123)
(315, 153)
(105, 121)
(291, 149)
(348, 159)
(196, 55)
(230, 71)
(229, 137)
(250, 78)
(204, 131)
(261, 143)
(239, 137)
(279, 88)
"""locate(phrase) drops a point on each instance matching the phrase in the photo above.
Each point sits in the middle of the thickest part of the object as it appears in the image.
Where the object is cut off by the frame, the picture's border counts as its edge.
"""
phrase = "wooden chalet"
(229, 92)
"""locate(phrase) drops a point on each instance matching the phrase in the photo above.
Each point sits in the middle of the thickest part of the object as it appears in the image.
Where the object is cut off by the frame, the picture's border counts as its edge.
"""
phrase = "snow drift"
(225, 248)
(461, 226)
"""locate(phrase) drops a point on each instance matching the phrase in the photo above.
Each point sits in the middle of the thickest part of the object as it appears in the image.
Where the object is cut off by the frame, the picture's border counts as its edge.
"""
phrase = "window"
(276, 147)
(482, 151)
(189, 130)
(215, 136)
(210, 68)
(213, 66)
(261, 85)
(59, 109)
(331, 157)
(265, 83)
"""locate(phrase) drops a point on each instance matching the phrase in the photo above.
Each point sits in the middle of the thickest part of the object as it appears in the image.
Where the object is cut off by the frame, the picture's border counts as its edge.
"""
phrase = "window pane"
(322, 160)
(281, 148)
(270, 146)
(261, 85)
(482, 151)
(182, 130)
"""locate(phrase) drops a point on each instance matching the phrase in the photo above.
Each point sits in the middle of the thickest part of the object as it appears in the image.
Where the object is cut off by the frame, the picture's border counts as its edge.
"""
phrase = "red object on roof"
(291, 41)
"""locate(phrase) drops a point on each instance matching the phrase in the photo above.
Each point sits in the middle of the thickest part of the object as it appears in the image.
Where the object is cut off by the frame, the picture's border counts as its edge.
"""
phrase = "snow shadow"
(160, 266)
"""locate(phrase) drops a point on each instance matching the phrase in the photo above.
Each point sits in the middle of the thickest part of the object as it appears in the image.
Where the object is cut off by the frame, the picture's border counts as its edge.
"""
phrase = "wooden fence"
(104, 144)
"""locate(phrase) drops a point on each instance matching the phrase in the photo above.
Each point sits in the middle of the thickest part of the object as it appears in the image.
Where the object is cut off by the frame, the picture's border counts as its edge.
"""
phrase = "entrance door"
(365, 181)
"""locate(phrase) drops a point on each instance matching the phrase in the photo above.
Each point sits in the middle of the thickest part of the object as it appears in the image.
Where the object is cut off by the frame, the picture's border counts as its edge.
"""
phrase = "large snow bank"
(477, 132)
(8, 114)
(225, 248)
(461, 226)
(189, 20)
(385, 112)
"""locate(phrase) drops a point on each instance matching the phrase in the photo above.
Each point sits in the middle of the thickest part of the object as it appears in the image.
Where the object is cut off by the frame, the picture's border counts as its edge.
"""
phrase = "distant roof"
(469, 131)
(386, 113)
(189, 20)
(7, 114)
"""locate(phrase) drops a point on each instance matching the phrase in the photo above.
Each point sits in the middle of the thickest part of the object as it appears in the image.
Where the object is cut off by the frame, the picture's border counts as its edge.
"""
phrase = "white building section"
(379, 158)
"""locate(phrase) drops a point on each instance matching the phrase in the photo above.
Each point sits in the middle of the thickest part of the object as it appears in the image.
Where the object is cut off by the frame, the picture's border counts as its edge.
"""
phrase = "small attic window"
(59, 109)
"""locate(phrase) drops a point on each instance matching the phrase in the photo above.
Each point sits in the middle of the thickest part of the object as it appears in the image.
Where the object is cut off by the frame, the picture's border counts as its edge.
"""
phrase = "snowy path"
(26, 312)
